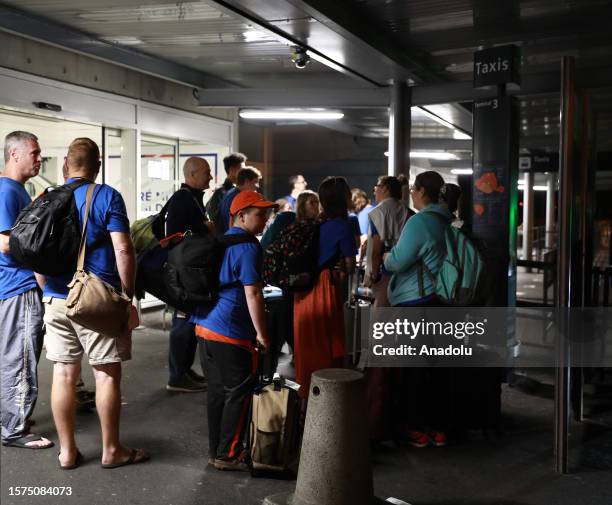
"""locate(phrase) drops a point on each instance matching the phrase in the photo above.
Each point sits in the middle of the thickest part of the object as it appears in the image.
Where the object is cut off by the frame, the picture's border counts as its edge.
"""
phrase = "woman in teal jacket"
(420, 245)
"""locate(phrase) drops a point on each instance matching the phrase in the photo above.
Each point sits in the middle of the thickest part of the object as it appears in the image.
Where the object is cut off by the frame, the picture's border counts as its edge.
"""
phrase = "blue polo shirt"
(14, 277)
(224, 209)
(107, 214)
(230, 315)
(336, 240)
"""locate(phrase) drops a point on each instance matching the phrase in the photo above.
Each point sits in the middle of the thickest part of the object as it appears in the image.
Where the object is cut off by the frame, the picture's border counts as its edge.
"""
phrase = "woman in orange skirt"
(318, 314)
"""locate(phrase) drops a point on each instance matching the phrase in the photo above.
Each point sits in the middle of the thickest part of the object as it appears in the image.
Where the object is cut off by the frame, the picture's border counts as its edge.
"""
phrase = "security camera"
(299, 57)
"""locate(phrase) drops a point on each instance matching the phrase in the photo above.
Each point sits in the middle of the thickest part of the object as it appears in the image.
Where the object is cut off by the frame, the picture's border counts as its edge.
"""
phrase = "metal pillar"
(565, 273)
(400, 122)
(528, 216)
(550, 211)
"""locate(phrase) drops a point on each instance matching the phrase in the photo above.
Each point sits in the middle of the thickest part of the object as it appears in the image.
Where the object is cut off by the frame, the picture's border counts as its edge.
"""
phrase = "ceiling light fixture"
(291, 114)
(521, 186)
(462, 171)
(433, 155)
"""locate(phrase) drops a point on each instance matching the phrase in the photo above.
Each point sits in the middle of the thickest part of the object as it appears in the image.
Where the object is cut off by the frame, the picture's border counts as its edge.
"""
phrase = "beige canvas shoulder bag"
(92, 302)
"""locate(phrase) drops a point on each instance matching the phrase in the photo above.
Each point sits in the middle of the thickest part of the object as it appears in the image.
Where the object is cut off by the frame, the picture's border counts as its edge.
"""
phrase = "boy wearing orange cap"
(231, 331)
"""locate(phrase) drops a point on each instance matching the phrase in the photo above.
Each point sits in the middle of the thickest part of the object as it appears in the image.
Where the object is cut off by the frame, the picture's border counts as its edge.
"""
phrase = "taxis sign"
(496, 65)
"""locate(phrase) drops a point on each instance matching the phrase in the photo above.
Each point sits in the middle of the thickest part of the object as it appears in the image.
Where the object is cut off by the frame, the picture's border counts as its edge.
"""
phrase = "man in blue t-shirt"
(247, 180)
(231, 330)
(21, 311)
(298, 185)
(109, 254)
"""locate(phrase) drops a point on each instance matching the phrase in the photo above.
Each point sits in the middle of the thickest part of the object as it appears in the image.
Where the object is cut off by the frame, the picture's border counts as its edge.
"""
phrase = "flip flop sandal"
(77, 462)
(132, 460)
(26, 439)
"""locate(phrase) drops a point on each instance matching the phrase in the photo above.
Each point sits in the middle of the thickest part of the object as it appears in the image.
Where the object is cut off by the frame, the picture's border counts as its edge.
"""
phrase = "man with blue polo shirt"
(231, 331)
(20, 307)
(109, 254)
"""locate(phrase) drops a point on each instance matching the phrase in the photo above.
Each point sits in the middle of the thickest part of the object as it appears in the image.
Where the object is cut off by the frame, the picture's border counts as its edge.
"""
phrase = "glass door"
(158, 173)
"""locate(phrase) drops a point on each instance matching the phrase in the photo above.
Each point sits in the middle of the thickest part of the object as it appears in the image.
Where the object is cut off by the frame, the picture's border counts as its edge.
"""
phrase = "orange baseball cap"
(246, 199)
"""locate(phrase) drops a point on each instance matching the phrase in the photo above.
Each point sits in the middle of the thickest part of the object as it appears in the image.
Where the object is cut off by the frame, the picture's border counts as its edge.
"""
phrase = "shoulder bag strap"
(82, 247)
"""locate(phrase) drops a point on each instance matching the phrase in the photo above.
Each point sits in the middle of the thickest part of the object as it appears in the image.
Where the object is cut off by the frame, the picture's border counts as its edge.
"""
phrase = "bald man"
(186, 212)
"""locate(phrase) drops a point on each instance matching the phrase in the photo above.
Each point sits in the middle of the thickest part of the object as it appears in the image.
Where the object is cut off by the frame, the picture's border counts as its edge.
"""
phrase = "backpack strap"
(81, 260)
(422, 267)
(232, 240)
(70, 186)
(164, 210)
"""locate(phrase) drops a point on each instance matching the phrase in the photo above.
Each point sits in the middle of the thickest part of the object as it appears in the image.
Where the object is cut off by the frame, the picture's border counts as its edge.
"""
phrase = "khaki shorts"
(66, 340)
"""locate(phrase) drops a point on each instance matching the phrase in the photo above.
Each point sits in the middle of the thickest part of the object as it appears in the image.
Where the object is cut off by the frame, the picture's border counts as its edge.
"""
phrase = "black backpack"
(193, 266)
(291, 261)
(47, 233)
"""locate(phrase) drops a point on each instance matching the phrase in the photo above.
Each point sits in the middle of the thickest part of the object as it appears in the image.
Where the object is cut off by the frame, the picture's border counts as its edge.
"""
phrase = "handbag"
(91, 302)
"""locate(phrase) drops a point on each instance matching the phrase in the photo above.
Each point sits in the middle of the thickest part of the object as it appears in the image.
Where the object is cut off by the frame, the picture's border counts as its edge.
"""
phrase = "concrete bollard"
(335, 460)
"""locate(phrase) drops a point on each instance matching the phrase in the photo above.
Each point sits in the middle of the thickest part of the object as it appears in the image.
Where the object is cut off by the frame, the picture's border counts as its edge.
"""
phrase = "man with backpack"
(109, 255)
(21, 310)
(232, 330)
(232, 164)
(186, 212)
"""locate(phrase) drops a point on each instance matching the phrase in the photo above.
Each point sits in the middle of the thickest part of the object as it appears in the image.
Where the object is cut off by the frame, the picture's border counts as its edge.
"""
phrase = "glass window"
(54, 136)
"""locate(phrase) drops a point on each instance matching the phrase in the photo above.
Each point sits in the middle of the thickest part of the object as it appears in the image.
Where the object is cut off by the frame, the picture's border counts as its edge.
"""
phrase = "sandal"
(77, 462)
(136, 456)
(22, 442)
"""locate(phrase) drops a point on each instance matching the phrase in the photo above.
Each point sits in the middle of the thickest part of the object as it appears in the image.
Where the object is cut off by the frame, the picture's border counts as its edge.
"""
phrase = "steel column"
(528, 217)
(564, 264)
(400, 123)
(550, 210)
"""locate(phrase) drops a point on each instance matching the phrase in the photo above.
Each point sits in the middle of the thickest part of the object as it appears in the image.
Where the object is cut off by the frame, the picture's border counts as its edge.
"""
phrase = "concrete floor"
(515, 470)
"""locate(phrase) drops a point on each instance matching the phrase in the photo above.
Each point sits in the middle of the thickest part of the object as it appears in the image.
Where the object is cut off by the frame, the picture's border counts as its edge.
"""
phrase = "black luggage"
(47, 233)
(192, 269)
(151, 278)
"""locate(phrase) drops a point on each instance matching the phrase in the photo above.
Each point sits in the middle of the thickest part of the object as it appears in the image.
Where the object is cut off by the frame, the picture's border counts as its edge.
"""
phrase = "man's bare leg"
(108, 404)
(65, 376)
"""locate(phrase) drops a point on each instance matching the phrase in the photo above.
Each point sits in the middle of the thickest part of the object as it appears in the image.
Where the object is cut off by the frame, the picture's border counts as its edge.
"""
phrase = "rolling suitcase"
(274, 431)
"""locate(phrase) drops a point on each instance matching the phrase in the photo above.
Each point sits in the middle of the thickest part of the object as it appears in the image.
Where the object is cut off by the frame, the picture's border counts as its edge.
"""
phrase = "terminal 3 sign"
(496, 65)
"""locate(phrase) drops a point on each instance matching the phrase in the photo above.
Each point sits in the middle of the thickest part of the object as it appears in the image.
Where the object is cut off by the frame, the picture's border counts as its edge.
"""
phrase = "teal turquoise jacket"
(422, 239)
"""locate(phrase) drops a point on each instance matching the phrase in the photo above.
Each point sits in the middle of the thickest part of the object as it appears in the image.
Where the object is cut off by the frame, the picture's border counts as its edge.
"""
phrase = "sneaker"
(418, 439)
(196, 377)
(186, 385)
(438, 438)
(239, 464)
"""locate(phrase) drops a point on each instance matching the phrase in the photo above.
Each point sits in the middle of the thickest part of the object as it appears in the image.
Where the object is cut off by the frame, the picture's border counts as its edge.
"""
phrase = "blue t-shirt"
(230, 316)
(336, 240)
(291, 200)
(14, 278)
(224, 209)
(363, 218)
(107, 214)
